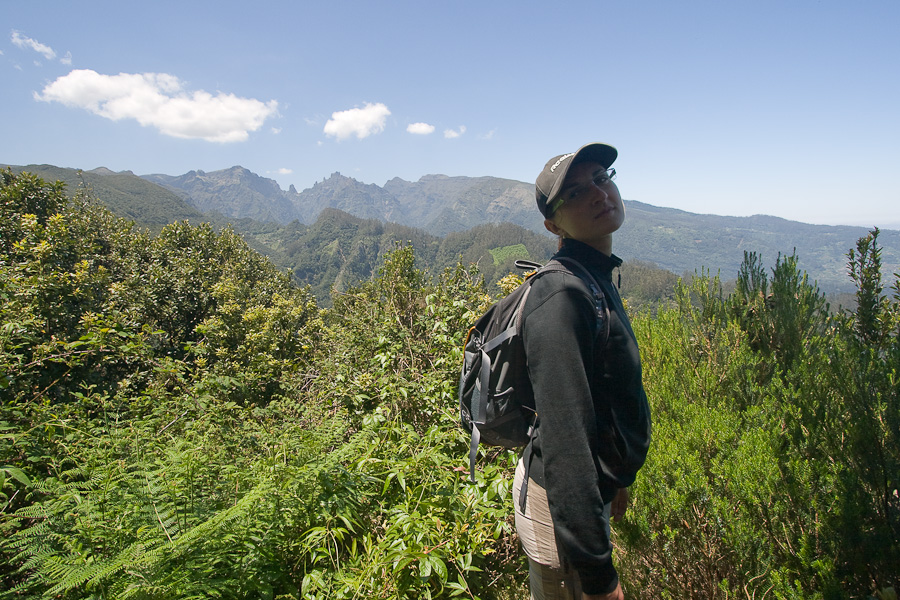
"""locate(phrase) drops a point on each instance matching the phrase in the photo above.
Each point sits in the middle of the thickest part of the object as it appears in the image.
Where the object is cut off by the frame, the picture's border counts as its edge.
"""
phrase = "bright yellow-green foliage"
(505, 253)
(178, 421)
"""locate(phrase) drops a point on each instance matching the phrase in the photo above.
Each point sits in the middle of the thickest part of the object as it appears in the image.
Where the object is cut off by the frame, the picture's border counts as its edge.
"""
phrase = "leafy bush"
(775, 458)
(179, 421)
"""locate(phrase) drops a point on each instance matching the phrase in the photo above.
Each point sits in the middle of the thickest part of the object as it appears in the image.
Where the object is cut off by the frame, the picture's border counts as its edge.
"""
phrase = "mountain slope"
(340, 250)
(124, 193)
(367, 201)
(681, 241)
(442, 204)
(235, 193)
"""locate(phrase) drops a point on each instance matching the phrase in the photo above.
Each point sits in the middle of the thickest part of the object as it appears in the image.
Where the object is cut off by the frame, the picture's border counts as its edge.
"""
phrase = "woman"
(593, 425)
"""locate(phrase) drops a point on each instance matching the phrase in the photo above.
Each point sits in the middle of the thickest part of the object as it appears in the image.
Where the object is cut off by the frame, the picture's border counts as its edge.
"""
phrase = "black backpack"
(496, 401)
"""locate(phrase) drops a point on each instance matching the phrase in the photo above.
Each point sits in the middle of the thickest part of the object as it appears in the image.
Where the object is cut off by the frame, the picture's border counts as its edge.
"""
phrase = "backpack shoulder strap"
(602, 306)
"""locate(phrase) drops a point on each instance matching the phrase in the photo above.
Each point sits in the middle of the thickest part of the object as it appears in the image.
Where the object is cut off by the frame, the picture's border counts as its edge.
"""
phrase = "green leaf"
(16, 474)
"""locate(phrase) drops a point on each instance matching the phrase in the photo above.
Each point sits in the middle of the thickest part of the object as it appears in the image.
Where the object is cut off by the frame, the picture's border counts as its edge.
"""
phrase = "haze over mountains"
(440, 205)
(437, 204)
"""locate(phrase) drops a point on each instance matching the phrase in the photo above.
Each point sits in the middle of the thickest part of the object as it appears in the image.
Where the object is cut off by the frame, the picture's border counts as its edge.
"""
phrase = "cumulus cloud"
(26, 43)
(454, 133)
(420, 128)
(283, 171)
(159, 100)
(361, 122)
(67, 59)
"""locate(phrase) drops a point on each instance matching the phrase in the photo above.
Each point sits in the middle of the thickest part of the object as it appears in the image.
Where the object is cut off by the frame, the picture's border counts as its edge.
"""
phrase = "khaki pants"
(549, 575)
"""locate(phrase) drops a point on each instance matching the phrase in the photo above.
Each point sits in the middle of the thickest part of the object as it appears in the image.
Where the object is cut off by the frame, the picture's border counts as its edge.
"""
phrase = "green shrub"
(773, 469)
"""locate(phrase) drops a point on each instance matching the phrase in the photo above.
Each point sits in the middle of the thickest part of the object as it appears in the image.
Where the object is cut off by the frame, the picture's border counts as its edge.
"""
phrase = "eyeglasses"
(600, 179)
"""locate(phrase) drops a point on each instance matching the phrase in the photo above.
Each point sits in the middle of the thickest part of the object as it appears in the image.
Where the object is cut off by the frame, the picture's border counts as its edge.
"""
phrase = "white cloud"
(276, 130)
(26, 43)
(283, 171)
(489, 135)
(361, 122)
(420, 128)
(450, 133)
(67, 59)
(158, 100)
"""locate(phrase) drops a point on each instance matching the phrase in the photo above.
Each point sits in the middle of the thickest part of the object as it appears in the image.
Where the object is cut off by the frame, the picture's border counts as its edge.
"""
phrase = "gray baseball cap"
(551, 179)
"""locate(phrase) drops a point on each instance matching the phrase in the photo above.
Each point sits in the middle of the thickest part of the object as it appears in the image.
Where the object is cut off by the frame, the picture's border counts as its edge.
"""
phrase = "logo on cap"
(561, 158)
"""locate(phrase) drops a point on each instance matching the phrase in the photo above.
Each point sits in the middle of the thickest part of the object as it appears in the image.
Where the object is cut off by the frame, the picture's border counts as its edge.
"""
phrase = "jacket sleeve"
(559, 335)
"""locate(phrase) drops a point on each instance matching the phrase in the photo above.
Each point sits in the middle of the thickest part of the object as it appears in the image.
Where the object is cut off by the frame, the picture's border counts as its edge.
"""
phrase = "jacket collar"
(590, 256)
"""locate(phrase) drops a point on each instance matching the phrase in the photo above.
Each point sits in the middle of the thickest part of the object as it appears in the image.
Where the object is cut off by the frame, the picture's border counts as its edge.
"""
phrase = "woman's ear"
(553, 228)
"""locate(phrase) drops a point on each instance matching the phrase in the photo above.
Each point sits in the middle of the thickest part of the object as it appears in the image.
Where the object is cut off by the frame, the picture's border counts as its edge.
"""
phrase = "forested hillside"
(340, 250)
(124, 193)
(179, 420)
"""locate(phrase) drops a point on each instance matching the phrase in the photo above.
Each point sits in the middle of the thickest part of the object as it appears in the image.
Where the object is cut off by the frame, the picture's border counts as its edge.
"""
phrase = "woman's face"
(592, 208)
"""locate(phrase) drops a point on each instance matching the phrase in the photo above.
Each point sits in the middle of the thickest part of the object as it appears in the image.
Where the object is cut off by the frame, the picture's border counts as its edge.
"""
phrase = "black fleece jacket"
(593, 417)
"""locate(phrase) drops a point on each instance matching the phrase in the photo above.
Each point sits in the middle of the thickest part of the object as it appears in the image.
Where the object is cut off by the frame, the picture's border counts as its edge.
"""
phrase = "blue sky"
(728, 107)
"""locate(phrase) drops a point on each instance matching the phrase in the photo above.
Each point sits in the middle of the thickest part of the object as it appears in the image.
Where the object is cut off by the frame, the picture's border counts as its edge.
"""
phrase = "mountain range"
(440, 205)
(437, 204)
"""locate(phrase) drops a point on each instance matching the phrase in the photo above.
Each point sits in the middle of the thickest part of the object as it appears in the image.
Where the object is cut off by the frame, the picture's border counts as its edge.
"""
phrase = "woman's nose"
(599, 193)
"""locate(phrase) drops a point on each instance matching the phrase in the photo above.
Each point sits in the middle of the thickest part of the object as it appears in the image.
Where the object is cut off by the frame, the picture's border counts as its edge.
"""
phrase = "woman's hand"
(616, 594)
(620, 504)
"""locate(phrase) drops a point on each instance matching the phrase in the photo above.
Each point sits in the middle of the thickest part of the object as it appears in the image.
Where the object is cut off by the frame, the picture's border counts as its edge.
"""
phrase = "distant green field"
(503, 253)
